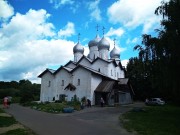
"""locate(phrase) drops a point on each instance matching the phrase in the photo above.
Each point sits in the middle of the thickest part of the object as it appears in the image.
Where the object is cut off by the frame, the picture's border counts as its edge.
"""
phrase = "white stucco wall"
(95, 81)
(77, 56)
(84, 88)
(94, 53)
(61, 75)
(47, 90)
(104, 54)
(102, 65)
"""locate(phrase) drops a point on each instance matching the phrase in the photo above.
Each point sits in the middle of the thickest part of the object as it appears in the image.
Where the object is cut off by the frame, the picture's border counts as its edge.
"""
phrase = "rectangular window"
(78, 81)
(49, 83)
(117, 75)
(62, 83)
(111, 73)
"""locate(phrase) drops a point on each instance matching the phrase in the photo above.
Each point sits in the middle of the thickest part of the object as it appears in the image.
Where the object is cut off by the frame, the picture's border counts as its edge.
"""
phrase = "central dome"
(103, 44)
(94, 42)
(78, 48)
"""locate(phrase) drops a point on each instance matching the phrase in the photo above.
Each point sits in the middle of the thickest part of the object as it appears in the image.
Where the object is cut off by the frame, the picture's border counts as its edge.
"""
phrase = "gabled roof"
(91, 70)
(70, 63)
(62, 67)
(51, 71)
(70, 86)
(84, 57)
(98, 58)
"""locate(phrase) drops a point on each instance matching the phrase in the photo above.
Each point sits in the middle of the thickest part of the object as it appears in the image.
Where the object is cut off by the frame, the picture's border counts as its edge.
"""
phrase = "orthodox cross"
(79, 36)
(103, 30)
(97, 27)
(114, 42)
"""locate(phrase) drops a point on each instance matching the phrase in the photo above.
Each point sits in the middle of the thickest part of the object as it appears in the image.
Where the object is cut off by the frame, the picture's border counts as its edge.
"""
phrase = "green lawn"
(8, 121)
(154, 120)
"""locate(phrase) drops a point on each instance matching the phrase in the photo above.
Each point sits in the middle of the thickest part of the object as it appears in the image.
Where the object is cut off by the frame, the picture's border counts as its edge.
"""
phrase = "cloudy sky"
(40, 34)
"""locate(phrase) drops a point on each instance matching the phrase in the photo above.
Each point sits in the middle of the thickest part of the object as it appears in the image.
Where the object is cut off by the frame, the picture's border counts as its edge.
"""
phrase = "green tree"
(159, 56)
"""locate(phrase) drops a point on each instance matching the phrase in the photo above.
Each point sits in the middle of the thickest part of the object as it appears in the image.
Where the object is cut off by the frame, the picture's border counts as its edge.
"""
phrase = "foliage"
(22, 91)
(155, 72)
(155, 120)
(53, 107)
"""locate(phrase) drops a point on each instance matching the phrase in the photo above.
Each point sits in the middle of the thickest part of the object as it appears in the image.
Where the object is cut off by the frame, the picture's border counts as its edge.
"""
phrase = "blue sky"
(40, 34)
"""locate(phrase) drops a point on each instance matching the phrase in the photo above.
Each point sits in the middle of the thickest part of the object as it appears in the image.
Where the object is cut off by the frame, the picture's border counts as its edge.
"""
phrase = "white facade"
(82, 76)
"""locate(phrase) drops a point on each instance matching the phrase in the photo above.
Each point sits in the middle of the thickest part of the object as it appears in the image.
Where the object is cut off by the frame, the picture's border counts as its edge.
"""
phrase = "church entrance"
(98, 96)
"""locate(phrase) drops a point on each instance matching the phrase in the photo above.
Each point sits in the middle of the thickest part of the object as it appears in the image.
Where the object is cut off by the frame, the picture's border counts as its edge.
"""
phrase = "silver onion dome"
(115, 53)
(94, 42)
(78, 48)
(103, 44)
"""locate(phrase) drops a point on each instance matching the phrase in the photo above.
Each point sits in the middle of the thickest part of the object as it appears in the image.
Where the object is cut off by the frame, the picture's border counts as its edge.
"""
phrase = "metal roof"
(123, 80)
(105, 86)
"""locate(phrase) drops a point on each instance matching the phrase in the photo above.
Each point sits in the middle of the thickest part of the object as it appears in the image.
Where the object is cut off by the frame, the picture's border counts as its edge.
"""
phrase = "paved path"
(90, 121)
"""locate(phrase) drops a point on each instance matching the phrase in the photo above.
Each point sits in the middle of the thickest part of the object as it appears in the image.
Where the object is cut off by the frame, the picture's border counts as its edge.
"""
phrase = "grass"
(18, 132)
(155, 120)
(7, 121)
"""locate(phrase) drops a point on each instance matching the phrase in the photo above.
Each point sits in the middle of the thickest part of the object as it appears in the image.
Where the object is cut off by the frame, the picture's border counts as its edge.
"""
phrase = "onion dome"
(115, 53)
(103, 44)
(94, 42)
(78, 48)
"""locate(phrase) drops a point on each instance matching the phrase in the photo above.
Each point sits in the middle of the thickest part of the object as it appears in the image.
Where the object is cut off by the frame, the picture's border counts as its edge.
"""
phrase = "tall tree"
(160, 55)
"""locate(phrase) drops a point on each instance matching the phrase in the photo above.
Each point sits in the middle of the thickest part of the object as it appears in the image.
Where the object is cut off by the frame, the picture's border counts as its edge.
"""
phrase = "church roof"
(51, 71)
(70, 62)
(123, 81)
(105, 86)
(84, 57)
(70, 86)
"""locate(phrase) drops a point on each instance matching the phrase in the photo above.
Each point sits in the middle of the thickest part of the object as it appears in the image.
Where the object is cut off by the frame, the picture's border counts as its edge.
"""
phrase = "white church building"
(93, 76)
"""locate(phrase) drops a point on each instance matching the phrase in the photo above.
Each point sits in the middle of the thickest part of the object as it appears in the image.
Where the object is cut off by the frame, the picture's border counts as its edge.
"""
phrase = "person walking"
(102, 102)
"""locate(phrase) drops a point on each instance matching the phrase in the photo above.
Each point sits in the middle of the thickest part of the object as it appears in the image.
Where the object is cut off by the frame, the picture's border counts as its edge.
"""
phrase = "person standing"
(5, 102)
(102, 102)
(9, 100)
(88, 103)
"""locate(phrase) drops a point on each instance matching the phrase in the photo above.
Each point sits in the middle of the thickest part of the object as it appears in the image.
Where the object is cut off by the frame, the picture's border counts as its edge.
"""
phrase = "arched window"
(62, 83)
(78, 81)
(49, 83)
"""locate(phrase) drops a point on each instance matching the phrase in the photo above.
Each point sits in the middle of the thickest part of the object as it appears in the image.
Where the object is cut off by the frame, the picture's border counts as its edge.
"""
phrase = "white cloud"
(59, 3)
(67, 31)
(115, 32)
(134, 40)
(95, 11)
(15, 32)
(24, 49)
(124, 63)
(6, 10)
(133, 13)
